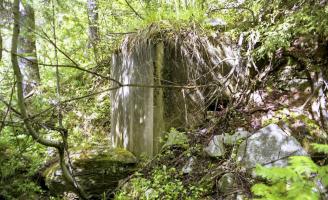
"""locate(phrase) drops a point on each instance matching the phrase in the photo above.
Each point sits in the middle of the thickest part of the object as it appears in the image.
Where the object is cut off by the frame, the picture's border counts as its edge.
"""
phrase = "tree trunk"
(0, 46)
(27, 61)
(1, 9)
(59, 145)
(93, 23)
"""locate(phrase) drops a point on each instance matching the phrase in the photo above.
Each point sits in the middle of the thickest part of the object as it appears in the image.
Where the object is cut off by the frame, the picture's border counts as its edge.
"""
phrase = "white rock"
(270, 146)
(216, 147)
(187, 168)
(238, 135)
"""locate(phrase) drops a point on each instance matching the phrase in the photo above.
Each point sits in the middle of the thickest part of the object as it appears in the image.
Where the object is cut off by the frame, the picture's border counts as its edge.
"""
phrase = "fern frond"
(320, 148)
(266, 192)
(323, 175)
(302, 165)
(275, 174)
(305, 190)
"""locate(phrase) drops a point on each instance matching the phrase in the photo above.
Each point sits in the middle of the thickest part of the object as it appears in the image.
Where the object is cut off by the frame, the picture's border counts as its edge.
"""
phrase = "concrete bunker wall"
(140, 114)
(152, 104)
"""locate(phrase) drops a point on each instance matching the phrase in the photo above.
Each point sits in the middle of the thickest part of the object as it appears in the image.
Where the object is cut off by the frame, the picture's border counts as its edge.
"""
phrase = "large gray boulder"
(96, 170)
(270, 146)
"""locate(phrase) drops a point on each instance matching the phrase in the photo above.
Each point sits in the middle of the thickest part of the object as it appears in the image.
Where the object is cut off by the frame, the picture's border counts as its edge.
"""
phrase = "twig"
(75, 66)
(61, 129)
(8, 107)
(135, 12)
(273, 161)
(13, 123)
(120, 33)
(118, 87)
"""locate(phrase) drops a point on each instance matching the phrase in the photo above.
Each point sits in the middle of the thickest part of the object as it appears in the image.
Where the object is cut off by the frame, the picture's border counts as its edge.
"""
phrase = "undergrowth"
(163, 177)
(301, 179)
(163, 183)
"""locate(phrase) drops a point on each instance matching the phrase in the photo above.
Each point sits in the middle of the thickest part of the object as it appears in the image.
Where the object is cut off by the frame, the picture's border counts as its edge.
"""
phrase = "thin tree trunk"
(27, 48)
(59, 145)
(0, 46)
(93, 21)
(19, 79)
(93, 26)
(1, 9)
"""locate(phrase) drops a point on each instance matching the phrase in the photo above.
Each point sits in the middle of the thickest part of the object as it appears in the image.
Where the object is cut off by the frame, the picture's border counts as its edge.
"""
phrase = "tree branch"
(8, 107)
(75, 66)
(236, 8)
(135, 12)
(67, 170)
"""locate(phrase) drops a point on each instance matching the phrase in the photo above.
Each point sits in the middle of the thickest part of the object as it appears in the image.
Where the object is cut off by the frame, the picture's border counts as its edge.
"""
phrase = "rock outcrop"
(97, 171)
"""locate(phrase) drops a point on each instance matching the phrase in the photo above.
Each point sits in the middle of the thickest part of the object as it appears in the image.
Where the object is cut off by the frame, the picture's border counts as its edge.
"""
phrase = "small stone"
(238, 135)
(70, 196)
(216, 22)
(227, 183)
(188, 167)
(149, 193)
(240, 197)
(58, 172)
(216, 147)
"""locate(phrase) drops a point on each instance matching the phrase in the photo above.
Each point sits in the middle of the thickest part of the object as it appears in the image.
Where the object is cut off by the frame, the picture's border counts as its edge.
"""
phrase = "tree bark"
(28, 63)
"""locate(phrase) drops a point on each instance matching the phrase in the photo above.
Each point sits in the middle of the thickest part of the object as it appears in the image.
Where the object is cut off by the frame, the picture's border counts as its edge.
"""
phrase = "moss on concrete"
(97, 170)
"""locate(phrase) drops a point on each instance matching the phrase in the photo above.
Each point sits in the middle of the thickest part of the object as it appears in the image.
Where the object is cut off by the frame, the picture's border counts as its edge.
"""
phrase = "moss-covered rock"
(96, 170)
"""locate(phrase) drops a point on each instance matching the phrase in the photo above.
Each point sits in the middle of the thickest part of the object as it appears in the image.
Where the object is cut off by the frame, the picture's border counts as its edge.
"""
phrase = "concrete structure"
(154, 101)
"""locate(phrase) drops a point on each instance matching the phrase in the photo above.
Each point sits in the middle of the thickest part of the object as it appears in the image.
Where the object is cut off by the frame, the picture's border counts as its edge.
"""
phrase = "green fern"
(296, 181)
(320, 148)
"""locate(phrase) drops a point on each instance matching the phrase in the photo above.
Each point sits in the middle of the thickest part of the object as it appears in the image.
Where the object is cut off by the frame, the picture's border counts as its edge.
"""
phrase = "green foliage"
(299, 180)
(123, 19)
(321, 148)
(173, 14)
(175, 137)
(287, 23)
(86, 120)
(20, 159)
(276, 23)
(163, 183)
(290, 118)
